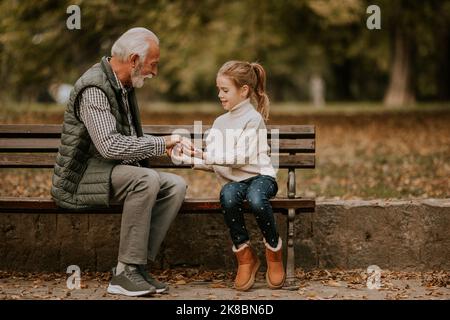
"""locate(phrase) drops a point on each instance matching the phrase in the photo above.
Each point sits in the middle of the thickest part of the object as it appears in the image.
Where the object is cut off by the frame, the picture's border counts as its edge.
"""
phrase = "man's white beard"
(137, 80)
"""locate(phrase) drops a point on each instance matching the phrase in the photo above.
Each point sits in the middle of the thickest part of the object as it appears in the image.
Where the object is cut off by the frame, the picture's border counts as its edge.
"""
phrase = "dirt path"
(348, 285)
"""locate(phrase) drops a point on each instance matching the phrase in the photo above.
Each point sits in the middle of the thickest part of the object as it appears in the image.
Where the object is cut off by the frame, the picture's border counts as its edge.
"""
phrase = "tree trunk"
(399, 92)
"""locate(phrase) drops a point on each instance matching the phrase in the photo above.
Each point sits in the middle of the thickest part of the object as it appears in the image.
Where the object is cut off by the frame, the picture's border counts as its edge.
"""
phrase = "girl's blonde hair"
(250, 74)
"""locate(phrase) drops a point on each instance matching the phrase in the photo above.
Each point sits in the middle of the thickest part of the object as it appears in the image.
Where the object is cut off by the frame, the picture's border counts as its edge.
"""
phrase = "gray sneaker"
(130, 283)
(160, 286)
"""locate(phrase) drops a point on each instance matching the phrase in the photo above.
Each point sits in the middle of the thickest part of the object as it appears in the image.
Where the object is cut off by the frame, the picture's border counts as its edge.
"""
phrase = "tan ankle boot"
(248, 265)
(275, 274)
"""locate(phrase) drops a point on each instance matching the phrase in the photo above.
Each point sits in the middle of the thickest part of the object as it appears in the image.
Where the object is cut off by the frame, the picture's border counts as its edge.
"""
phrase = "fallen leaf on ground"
(276, 295)
(331, 283)
(217, 285)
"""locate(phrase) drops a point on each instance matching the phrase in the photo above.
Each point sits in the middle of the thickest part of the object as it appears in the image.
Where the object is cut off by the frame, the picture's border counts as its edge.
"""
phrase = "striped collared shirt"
(95, 112)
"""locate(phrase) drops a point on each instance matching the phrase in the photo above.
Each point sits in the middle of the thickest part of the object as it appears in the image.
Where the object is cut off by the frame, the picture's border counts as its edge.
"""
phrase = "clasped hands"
(182, 149)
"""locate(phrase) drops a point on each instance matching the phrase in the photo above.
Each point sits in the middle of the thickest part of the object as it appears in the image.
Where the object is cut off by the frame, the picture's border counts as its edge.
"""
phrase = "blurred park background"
(379, 98)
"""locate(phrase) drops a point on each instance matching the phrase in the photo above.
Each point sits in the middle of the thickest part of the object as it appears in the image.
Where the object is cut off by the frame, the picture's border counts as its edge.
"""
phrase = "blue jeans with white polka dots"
(257, 191)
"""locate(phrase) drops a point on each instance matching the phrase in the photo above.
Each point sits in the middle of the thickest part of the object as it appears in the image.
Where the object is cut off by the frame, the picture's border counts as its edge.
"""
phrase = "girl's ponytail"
(260, 90)
(250, 74)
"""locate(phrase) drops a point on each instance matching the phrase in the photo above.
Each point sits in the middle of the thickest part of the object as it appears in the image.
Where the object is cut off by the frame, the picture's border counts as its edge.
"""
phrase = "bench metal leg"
(290, 283)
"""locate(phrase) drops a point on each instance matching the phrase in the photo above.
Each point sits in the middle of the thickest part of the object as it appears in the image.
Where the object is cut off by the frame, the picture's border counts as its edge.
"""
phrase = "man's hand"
(178, 156)
(172, 140)
(169, 151)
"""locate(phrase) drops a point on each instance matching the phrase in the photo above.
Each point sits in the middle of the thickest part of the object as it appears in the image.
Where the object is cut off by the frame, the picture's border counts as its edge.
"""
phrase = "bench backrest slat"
(35, 146)
(54, 130)
(52, 144)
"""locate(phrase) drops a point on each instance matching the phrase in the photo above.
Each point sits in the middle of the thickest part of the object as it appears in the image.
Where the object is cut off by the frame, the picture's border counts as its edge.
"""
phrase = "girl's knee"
(258, 202)
(230, 196)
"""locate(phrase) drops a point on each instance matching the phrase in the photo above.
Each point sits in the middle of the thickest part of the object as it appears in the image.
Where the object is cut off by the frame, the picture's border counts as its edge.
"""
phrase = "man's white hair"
(133, 41)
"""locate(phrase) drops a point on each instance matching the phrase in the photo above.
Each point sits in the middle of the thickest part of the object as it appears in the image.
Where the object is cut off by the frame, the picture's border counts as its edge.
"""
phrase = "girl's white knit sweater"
(236, 145)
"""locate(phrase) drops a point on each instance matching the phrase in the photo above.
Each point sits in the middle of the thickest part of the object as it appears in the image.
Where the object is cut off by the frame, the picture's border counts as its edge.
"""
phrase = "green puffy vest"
(82, 177)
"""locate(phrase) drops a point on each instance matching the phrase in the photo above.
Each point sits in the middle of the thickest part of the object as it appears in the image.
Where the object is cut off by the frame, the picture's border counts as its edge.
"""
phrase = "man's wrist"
(161, 146)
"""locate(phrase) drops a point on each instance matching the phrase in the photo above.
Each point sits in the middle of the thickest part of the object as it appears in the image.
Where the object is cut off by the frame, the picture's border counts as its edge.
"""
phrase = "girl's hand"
(198, 153)
(188, 146)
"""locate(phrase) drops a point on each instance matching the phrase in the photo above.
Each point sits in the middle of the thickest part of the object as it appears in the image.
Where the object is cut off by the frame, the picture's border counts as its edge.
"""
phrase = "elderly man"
(103, 158)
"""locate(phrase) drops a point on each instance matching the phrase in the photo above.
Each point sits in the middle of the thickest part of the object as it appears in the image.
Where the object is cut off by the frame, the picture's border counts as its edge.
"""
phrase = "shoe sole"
(271, 285)
(251, 281)
(116, 289)
(162, 290)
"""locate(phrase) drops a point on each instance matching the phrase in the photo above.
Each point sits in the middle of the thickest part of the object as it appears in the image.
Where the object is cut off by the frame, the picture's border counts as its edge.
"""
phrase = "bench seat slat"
(45, 205)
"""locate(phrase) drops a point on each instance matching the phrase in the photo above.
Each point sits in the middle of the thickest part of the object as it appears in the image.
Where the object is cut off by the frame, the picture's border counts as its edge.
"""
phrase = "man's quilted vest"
(82, 177)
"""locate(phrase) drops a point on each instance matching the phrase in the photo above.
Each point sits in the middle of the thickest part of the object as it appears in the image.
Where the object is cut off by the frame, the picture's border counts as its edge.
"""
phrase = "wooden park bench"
(35, 146)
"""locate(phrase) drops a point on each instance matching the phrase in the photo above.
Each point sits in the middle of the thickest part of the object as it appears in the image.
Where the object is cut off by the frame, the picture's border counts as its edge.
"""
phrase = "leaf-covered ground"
(189, 283)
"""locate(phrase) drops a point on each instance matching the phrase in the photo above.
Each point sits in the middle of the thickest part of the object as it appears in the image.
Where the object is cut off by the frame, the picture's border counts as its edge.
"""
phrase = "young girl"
(244, 168)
